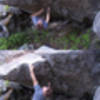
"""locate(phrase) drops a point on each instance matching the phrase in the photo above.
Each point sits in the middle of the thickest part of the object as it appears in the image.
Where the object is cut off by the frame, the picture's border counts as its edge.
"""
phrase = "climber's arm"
(38, 13)
(48, 15)
(34, 79)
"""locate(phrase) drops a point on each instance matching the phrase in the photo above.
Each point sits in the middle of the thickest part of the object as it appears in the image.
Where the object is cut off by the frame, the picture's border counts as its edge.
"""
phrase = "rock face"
(77, 9)
(72, 73)
(96, 24)
(2, 10)
(97, 94)
(3, 31)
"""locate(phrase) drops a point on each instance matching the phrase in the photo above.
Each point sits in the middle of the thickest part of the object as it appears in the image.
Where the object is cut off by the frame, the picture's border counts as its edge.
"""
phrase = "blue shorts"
(38, 93)
(35, 20)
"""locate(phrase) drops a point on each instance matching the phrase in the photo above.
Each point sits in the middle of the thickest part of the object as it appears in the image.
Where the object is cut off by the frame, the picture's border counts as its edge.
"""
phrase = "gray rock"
(27, 47)
(4, 85)
(3, 31)
(46, 49)
(96, 24)
(97, 94)
(77, 9)
(5, 54)
(95, 44)
(14, 10)
(3, 12)
(70, 72)
(62, 97)
(6, 95)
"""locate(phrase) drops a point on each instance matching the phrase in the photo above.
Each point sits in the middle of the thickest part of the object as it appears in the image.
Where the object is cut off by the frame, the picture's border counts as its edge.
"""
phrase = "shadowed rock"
(77, 9)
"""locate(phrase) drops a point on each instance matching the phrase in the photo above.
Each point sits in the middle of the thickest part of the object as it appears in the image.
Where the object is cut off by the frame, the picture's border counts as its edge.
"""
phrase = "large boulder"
(71, 72)
(96, 24)
(97, 94)
(77, 9)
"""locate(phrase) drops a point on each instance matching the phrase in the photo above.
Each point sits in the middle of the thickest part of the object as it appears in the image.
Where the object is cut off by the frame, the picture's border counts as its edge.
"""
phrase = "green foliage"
(14, 41)
(3, 43)
(73, 40)
(7, 7)
(18, 39)
(7, 83)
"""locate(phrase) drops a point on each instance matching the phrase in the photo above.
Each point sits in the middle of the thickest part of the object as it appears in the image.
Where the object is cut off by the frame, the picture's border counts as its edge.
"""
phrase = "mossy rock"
(95, 44)
(73, 40)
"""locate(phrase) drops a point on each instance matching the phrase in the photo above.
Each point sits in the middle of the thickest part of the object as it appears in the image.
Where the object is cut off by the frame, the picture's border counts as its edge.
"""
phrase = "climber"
(39, 22)
(40, 93)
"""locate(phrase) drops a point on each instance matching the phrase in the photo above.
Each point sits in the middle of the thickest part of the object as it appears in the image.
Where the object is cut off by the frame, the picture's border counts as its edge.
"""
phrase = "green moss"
(73, 40)
(7, 7)
(7, 83)
(14, 41)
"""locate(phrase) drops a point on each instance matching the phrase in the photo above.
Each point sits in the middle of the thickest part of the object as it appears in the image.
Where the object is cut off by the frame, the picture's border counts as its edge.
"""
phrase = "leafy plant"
(70, 41)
